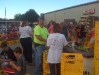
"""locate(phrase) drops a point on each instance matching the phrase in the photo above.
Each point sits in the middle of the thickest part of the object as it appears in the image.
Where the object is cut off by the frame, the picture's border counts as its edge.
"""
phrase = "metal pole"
(6, 19)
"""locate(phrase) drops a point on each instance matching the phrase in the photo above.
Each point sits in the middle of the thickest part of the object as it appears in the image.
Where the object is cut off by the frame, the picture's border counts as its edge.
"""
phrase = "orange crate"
(71, 63)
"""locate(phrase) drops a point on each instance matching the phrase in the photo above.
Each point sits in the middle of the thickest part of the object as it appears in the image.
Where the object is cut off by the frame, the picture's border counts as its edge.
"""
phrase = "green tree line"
(30, 15)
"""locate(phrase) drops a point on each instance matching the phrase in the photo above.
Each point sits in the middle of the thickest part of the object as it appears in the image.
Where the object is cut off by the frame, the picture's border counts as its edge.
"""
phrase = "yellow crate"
(0, 35)
(96, 47)
(4, 40)
(71, 63)
(96, 51)
(10, 42)
(97, 35)
(85, 43)
(45, 57)
(97, 30)
(71, 56)
(97, 22)
(16, 41)
(88, 37)
(96, 55)
(46, 67)
(2, 72)
(46, 74)
(96, 66)
(97, 26)
(0, 42)
(88, 44)
(96, 42)
(27, 74)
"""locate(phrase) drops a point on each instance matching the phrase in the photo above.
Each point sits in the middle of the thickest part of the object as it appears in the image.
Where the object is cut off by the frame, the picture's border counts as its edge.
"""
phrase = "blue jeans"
(38, 50)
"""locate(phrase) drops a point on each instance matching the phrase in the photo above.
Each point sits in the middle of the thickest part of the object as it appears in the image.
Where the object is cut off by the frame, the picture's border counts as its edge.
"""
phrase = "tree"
(18, 17)
(30, 16)
(2, 19)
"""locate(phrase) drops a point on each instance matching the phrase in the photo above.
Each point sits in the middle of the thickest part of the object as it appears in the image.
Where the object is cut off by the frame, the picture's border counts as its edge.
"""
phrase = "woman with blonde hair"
(25, 32)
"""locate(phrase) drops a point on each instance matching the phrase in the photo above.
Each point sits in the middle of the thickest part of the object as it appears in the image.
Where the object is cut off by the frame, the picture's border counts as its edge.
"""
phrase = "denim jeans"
(38, 50)
(52, 69)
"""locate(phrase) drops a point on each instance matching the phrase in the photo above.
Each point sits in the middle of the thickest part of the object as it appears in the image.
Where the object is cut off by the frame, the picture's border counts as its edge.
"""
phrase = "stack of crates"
(10, 42)
(16, 41)
(96, 51)
(46, 70)
(87, 42)
(72, 64)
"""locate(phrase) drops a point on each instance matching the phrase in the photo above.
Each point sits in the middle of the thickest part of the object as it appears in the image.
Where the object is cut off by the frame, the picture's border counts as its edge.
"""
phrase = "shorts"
(83, 39)
(9, 71)
(92, 40)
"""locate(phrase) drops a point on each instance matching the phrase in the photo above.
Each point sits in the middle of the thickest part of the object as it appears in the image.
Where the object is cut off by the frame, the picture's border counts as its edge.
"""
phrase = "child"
(20, 66)
(7, 55)
(51, 27)
(55, 43)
